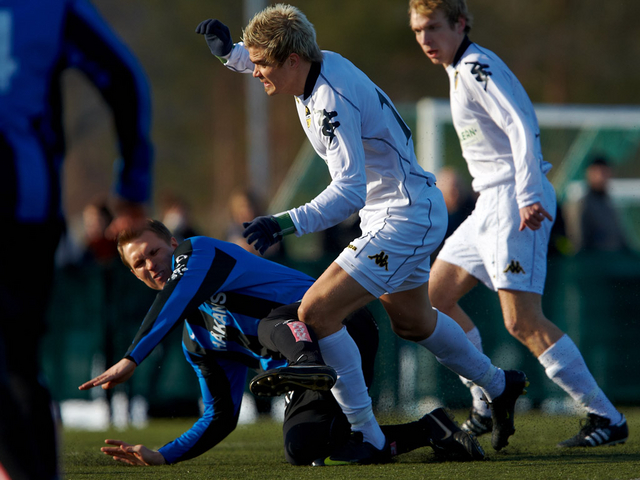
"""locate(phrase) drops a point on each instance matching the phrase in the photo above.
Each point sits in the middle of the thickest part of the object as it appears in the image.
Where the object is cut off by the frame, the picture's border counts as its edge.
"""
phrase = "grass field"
(255, 452)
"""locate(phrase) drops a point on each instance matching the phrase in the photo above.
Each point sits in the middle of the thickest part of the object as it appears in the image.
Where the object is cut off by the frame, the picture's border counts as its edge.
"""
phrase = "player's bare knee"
(412, 331)
(517, 328)
(441, 300)
(316, 320)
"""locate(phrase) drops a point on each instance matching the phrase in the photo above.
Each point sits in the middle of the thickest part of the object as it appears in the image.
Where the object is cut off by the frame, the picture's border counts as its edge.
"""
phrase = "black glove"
(265, 231)
(217, 36)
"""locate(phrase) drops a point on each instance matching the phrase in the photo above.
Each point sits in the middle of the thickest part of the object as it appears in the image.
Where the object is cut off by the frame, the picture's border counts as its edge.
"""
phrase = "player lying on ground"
(354, 127)
(237, 310)
(503, 243)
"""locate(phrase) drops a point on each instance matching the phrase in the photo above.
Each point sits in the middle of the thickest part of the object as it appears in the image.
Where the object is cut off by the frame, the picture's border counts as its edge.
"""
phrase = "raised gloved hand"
(217, 36)
(267, 231)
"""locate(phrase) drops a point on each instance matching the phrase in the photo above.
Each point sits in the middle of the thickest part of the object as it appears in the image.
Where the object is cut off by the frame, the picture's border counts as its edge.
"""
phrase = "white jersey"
(356, 130)
(496, 124)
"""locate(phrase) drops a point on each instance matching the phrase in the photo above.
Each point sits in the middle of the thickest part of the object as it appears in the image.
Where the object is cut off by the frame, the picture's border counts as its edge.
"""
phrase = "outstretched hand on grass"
(132, 454)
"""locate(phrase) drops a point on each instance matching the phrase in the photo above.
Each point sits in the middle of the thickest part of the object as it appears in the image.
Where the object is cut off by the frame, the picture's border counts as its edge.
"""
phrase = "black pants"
(27, 432)
(314, 424)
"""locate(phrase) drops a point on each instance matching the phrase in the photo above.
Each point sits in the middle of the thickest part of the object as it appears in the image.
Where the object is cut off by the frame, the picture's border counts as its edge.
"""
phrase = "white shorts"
(393, 253)
(489, 246)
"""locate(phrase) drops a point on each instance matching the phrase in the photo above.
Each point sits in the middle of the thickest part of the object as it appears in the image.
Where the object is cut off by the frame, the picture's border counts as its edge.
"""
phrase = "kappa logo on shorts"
(381, 259)
(514, 267)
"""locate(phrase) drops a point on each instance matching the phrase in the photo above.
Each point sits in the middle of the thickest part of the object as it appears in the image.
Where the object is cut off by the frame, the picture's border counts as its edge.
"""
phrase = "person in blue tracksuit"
(41, 39)
(239, 311)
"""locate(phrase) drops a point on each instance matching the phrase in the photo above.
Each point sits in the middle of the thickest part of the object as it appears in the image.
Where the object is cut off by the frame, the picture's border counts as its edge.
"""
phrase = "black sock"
(407, 436)
(282, 332)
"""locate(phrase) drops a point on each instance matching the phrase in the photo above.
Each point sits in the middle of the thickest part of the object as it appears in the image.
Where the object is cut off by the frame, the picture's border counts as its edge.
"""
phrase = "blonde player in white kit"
(503, 243)
(368, 148)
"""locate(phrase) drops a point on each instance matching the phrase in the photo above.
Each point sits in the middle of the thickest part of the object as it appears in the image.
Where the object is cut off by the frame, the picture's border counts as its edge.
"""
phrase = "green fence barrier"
(96, 311)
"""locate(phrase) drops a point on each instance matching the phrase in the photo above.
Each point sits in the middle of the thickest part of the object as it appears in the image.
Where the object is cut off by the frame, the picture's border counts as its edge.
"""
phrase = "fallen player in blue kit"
(240, 312)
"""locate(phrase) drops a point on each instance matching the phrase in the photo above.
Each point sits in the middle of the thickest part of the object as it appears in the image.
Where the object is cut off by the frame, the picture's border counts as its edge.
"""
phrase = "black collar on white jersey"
(314, 73)
(461, 49)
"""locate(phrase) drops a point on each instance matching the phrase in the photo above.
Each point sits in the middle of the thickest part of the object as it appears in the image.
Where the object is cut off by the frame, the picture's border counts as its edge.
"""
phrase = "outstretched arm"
(119, 373)
(133, 454)
(234, 56)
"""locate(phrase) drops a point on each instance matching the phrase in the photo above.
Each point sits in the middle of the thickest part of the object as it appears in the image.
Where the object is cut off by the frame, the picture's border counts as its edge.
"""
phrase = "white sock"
(453, 349)
(479, 405)
(350, 391)
(565, 366)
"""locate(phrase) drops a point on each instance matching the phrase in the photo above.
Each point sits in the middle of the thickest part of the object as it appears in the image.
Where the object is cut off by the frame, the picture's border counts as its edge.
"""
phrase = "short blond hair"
(282, 30)
(453, 10)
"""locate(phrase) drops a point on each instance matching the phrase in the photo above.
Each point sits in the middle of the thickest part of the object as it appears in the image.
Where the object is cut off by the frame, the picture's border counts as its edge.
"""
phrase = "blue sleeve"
(222, 386)
(92, 47)
(204, 267)
(198, 274)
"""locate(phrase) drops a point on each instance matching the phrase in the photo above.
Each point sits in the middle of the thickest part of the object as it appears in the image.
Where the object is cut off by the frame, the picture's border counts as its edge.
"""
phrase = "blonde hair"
(453, 10)
(282, 30)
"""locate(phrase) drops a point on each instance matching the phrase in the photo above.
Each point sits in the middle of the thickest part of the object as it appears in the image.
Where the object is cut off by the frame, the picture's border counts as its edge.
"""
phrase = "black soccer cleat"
(502, 408)
(448, 441)
(279, 381)
(355, 452)
(477, 424)
(596, 431)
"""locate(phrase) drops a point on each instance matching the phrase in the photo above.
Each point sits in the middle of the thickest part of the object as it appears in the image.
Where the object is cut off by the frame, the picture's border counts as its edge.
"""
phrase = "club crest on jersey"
(181, 266)
(307, 116)
(328, 127)
(481, 72)
(514, 267)
(381, 259)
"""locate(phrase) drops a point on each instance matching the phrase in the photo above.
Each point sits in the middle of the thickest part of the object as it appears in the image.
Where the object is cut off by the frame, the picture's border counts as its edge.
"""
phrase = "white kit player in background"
(503, 243)
(355, 128)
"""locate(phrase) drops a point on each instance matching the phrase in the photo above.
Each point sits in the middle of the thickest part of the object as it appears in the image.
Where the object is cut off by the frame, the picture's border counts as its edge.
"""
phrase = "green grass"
(255, 452)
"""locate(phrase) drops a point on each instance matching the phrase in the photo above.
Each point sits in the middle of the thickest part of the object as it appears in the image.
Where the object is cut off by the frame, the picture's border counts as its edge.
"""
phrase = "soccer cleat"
(503, 406)
(447, 439)
(477, 424)
(355, 451)
(279, 381)
(596, 431)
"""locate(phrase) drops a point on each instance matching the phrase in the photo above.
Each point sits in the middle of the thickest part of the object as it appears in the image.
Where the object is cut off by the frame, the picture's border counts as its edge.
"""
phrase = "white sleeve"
(508, 105)
(238, 59)
(347, 192)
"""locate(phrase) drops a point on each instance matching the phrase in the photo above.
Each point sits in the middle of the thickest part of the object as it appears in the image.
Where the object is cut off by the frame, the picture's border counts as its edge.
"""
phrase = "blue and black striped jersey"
(221, 292)
(39, 40)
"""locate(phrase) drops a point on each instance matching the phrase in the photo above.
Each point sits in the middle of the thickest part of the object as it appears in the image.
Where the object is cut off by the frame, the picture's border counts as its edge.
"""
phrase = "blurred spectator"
(41, 39)
(459, 198)
(100, 247)
(599, 225)
(244, 206)
(176, 215)
(559, 243)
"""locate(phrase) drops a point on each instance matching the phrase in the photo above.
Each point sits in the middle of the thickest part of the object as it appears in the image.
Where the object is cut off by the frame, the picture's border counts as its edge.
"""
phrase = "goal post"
(571, 136)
